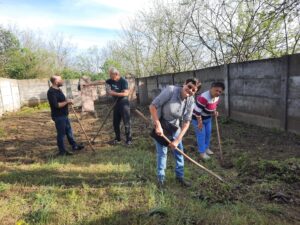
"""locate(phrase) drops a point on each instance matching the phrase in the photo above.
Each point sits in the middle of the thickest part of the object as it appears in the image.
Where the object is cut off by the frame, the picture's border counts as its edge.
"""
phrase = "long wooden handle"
(142, 115)
(181, 152)
(104, 121)
(87, 138)
(193, 161)
(219, 139)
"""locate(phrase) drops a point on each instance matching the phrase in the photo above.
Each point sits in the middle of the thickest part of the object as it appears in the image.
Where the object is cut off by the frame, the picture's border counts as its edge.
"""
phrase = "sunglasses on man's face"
(192, 88)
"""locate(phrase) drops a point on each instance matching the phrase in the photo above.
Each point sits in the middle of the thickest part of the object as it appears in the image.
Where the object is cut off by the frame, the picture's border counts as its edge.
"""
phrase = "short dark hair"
(195, 82)
(218, 84)
(53, 79)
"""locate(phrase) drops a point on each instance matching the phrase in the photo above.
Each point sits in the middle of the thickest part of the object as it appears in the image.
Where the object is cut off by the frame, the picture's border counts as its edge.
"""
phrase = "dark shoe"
(78, 147)
(183, 182)
(116, 142)
(66, 153)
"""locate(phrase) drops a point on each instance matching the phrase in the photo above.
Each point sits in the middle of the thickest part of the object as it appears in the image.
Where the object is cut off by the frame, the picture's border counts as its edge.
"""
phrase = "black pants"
(122, 111)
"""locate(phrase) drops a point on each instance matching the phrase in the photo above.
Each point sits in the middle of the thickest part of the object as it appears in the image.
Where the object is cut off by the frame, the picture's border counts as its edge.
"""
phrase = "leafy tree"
(68, 73)
(8, 41)
(21, 64)
(110, 63)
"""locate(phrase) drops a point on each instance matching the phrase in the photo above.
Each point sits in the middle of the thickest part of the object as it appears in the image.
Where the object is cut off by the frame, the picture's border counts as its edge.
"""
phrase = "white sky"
(87, 22)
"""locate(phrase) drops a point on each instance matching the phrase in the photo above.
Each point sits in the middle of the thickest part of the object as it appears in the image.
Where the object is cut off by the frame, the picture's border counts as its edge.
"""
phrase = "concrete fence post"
(173, 78)
(226, 92)
(284, 78)
(194, 73)
(137, 89)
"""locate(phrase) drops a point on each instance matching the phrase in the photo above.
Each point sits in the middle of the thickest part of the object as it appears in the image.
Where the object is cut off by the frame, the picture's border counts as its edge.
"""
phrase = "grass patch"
(286, 170)
(117, 185)
(26, 110)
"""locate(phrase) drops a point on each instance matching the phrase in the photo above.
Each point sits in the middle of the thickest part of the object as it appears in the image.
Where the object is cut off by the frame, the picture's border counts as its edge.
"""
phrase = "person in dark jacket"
(59, 113)
(119, 90)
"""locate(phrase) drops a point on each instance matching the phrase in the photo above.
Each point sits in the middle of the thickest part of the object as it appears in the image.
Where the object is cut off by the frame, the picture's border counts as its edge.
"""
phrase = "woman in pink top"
(205, 107)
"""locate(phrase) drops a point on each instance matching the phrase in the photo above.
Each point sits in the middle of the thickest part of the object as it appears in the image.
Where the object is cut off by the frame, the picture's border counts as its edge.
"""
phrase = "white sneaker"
(210, 152)
(204, 156)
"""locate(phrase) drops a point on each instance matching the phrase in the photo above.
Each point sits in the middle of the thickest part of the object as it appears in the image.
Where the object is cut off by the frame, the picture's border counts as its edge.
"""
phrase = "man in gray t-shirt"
(172, 105)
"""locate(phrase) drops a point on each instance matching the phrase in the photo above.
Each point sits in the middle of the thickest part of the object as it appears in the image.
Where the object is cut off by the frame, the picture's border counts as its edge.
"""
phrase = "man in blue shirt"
(59, 113)
(119, 91)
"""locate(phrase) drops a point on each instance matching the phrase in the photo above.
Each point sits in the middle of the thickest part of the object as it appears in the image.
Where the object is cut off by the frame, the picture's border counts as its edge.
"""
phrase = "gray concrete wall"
(255, 92)
(16, 93)
(262, 92)
(9, 95)
(33, 91)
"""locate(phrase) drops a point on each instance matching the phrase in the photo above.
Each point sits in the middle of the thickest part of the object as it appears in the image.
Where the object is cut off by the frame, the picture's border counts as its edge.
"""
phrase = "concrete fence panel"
(33, 91)
(261, 69)
(10, 97)
(152, 88)
(142, 89)
(165, 80)
(180, 78)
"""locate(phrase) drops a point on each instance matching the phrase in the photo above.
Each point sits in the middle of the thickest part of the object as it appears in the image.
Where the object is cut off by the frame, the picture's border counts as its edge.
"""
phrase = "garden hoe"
(228, 164)
(219, 140)
(193, 161)
(182, 153)
(82, 128)
(104, 121)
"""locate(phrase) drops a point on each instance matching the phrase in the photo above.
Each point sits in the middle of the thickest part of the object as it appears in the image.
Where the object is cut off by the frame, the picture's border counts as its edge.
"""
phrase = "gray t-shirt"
(170, 106)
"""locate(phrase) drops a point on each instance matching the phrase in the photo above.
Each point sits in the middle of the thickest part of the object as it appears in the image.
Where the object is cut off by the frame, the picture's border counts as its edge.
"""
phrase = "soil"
(253, 156)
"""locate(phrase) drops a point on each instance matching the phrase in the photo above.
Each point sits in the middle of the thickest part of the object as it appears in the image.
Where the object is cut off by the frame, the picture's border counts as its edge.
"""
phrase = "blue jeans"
(63, 128)
(203, 135)
(161, 154)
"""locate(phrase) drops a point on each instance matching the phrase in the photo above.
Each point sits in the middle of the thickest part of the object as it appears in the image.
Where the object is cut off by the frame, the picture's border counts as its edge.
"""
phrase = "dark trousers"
(63, 128)
(122, 111)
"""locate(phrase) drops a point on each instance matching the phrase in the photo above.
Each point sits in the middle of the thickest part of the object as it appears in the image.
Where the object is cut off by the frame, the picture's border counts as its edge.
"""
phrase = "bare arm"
(63, 104)
(157, 125)
(184, 128)
(94, 83)
(121, 94)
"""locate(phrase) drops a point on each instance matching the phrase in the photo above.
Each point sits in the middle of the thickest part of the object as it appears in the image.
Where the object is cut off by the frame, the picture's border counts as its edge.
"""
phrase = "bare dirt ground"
(263, 164)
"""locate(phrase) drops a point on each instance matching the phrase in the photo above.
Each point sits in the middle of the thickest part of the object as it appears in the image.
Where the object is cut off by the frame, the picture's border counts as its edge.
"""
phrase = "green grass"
(117, 185)
(26, 110)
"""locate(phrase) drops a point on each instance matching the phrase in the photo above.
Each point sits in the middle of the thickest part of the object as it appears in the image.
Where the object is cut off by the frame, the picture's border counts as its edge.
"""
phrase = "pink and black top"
(205, 105)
